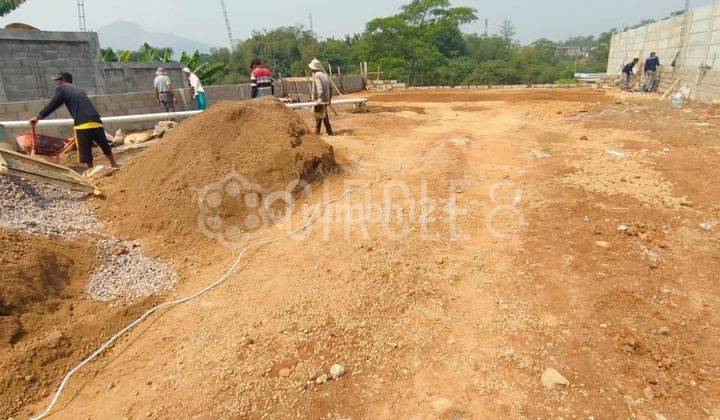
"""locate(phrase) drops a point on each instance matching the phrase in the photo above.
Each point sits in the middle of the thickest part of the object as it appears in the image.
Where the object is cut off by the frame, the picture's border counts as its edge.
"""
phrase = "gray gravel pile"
(124, 273)
(44, 210)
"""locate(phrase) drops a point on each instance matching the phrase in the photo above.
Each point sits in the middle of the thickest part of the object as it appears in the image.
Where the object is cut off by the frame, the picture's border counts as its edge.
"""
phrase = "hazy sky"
(202, 20)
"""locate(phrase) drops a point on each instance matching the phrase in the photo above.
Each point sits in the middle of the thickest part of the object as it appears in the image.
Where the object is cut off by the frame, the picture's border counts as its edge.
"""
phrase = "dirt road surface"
(510, 236)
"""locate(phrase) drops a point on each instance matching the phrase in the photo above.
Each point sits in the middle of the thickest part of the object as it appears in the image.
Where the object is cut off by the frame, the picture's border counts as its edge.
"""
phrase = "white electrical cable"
(195, 295)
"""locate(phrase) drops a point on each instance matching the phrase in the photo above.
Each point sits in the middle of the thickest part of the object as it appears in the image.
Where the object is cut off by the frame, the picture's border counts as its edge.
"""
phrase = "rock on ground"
(551, 379)
(337, 372)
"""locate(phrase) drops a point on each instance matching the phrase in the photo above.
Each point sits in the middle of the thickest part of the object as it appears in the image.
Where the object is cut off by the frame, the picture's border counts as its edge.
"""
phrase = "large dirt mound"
(262, 141)
(35, 270)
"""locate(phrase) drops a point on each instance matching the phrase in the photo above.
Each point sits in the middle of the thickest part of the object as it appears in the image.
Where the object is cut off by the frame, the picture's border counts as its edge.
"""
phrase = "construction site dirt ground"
(504, 233)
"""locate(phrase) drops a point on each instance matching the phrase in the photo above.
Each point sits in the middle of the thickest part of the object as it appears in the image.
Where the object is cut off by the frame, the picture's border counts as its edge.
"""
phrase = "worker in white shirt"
(198, 91)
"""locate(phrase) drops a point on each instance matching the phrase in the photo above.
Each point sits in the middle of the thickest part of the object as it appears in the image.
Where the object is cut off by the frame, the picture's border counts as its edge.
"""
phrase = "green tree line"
(422, 44)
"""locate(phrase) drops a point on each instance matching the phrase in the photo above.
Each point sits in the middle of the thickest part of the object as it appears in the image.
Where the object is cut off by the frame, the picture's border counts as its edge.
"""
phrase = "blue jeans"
(200, 101)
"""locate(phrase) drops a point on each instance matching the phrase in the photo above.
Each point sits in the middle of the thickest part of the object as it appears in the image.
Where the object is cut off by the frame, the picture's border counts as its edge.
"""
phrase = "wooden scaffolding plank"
(17, 164)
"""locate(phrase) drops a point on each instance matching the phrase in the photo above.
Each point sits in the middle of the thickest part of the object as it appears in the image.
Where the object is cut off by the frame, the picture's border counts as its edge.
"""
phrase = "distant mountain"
(123, 35)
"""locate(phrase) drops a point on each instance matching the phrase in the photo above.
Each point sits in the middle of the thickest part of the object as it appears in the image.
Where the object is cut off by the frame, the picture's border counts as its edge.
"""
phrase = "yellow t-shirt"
(88, 126)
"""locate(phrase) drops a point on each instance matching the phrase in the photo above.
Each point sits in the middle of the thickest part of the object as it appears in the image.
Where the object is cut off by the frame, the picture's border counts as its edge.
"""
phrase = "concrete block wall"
(29, 59)
(692, 40)
(142, 103)
(138, 77)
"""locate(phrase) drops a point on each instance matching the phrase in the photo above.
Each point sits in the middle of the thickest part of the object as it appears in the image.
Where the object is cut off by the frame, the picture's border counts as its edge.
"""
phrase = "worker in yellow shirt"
(88, 125)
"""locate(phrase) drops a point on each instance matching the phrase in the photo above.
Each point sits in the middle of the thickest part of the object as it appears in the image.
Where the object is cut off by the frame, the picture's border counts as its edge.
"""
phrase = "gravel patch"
(44, 210)
(124, 274)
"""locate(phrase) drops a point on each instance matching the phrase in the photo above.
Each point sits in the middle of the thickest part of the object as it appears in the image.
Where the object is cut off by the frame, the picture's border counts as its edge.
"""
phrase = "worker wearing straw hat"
(322, 93)
(164, 90)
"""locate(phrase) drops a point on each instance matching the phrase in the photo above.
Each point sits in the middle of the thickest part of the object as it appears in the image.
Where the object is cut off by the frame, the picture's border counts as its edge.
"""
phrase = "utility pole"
(227, 25)
(486, 27)
(312, 27)
(81, 15)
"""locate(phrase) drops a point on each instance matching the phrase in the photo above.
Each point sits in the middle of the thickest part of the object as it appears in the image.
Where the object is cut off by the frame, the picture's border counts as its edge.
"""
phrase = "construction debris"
(119, 138)
(141, 137)
(164, 127)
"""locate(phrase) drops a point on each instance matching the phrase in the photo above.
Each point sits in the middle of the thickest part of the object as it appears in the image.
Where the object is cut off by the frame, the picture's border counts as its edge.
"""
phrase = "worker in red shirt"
(261, 80)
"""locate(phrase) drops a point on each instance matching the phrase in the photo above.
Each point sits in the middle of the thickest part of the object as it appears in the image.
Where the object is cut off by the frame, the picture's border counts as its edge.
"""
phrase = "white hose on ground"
(319, 209)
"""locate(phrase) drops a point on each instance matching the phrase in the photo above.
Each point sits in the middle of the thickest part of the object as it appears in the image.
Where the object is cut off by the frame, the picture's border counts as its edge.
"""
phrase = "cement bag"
(137, 138)
(119, 138)
(98, 172)
(163, 127)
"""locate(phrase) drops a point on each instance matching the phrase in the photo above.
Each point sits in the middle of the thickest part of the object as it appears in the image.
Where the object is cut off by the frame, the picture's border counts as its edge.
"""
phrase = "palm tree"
(7, 6)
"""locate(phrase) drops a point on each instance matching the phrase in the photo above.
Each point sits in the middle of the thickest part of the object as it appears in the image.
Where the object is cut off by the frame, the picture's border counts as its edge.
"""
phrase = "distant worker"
(628, 73)
(164, 92)
(197, 88)
(88, 125)
(322, 93)
(261, 80)
(651, 68)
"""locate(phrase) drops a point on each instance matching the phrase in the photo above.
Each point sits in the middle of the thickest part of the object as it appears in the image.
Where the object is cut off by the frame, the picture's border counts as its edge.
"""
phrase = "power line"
(227, 25)
(81, 15)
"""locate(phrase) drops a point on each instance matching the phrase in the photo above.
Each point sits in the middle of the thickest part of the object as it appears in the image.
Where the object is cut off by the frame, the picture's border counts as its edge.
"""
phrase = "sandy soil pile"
(35, 269)
(39, 277)
(157, 194)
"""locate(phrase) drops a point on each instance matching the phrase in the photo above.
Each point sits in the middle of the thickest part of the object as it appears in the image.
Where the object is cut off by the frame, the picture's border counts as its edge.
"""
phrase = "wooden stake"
(331, 81)
(665, 95)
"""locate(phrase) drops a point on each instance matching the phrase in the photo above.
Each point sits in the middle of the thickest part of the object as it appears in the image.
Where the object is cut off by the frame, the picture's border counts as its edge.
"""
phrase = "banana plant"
(147, 54)
(109, 55)
(125, 56)
(207, 72)
(190, 60)
(7, 6)
(167, 55)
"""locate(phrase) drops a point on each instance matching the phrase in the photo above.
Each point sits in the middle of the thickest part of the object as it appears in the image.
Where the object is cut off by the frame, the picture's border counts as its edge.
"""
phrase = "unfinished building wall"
(138, 77)
(29, 60)
(691, 39)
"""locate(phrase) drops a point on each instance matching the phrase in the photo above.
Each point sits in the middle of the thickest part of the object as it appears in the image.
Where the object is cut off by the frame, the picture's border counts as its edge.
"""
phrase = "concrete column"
(3, 95)
(126, 79)
(95, 53)
(711, 26)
